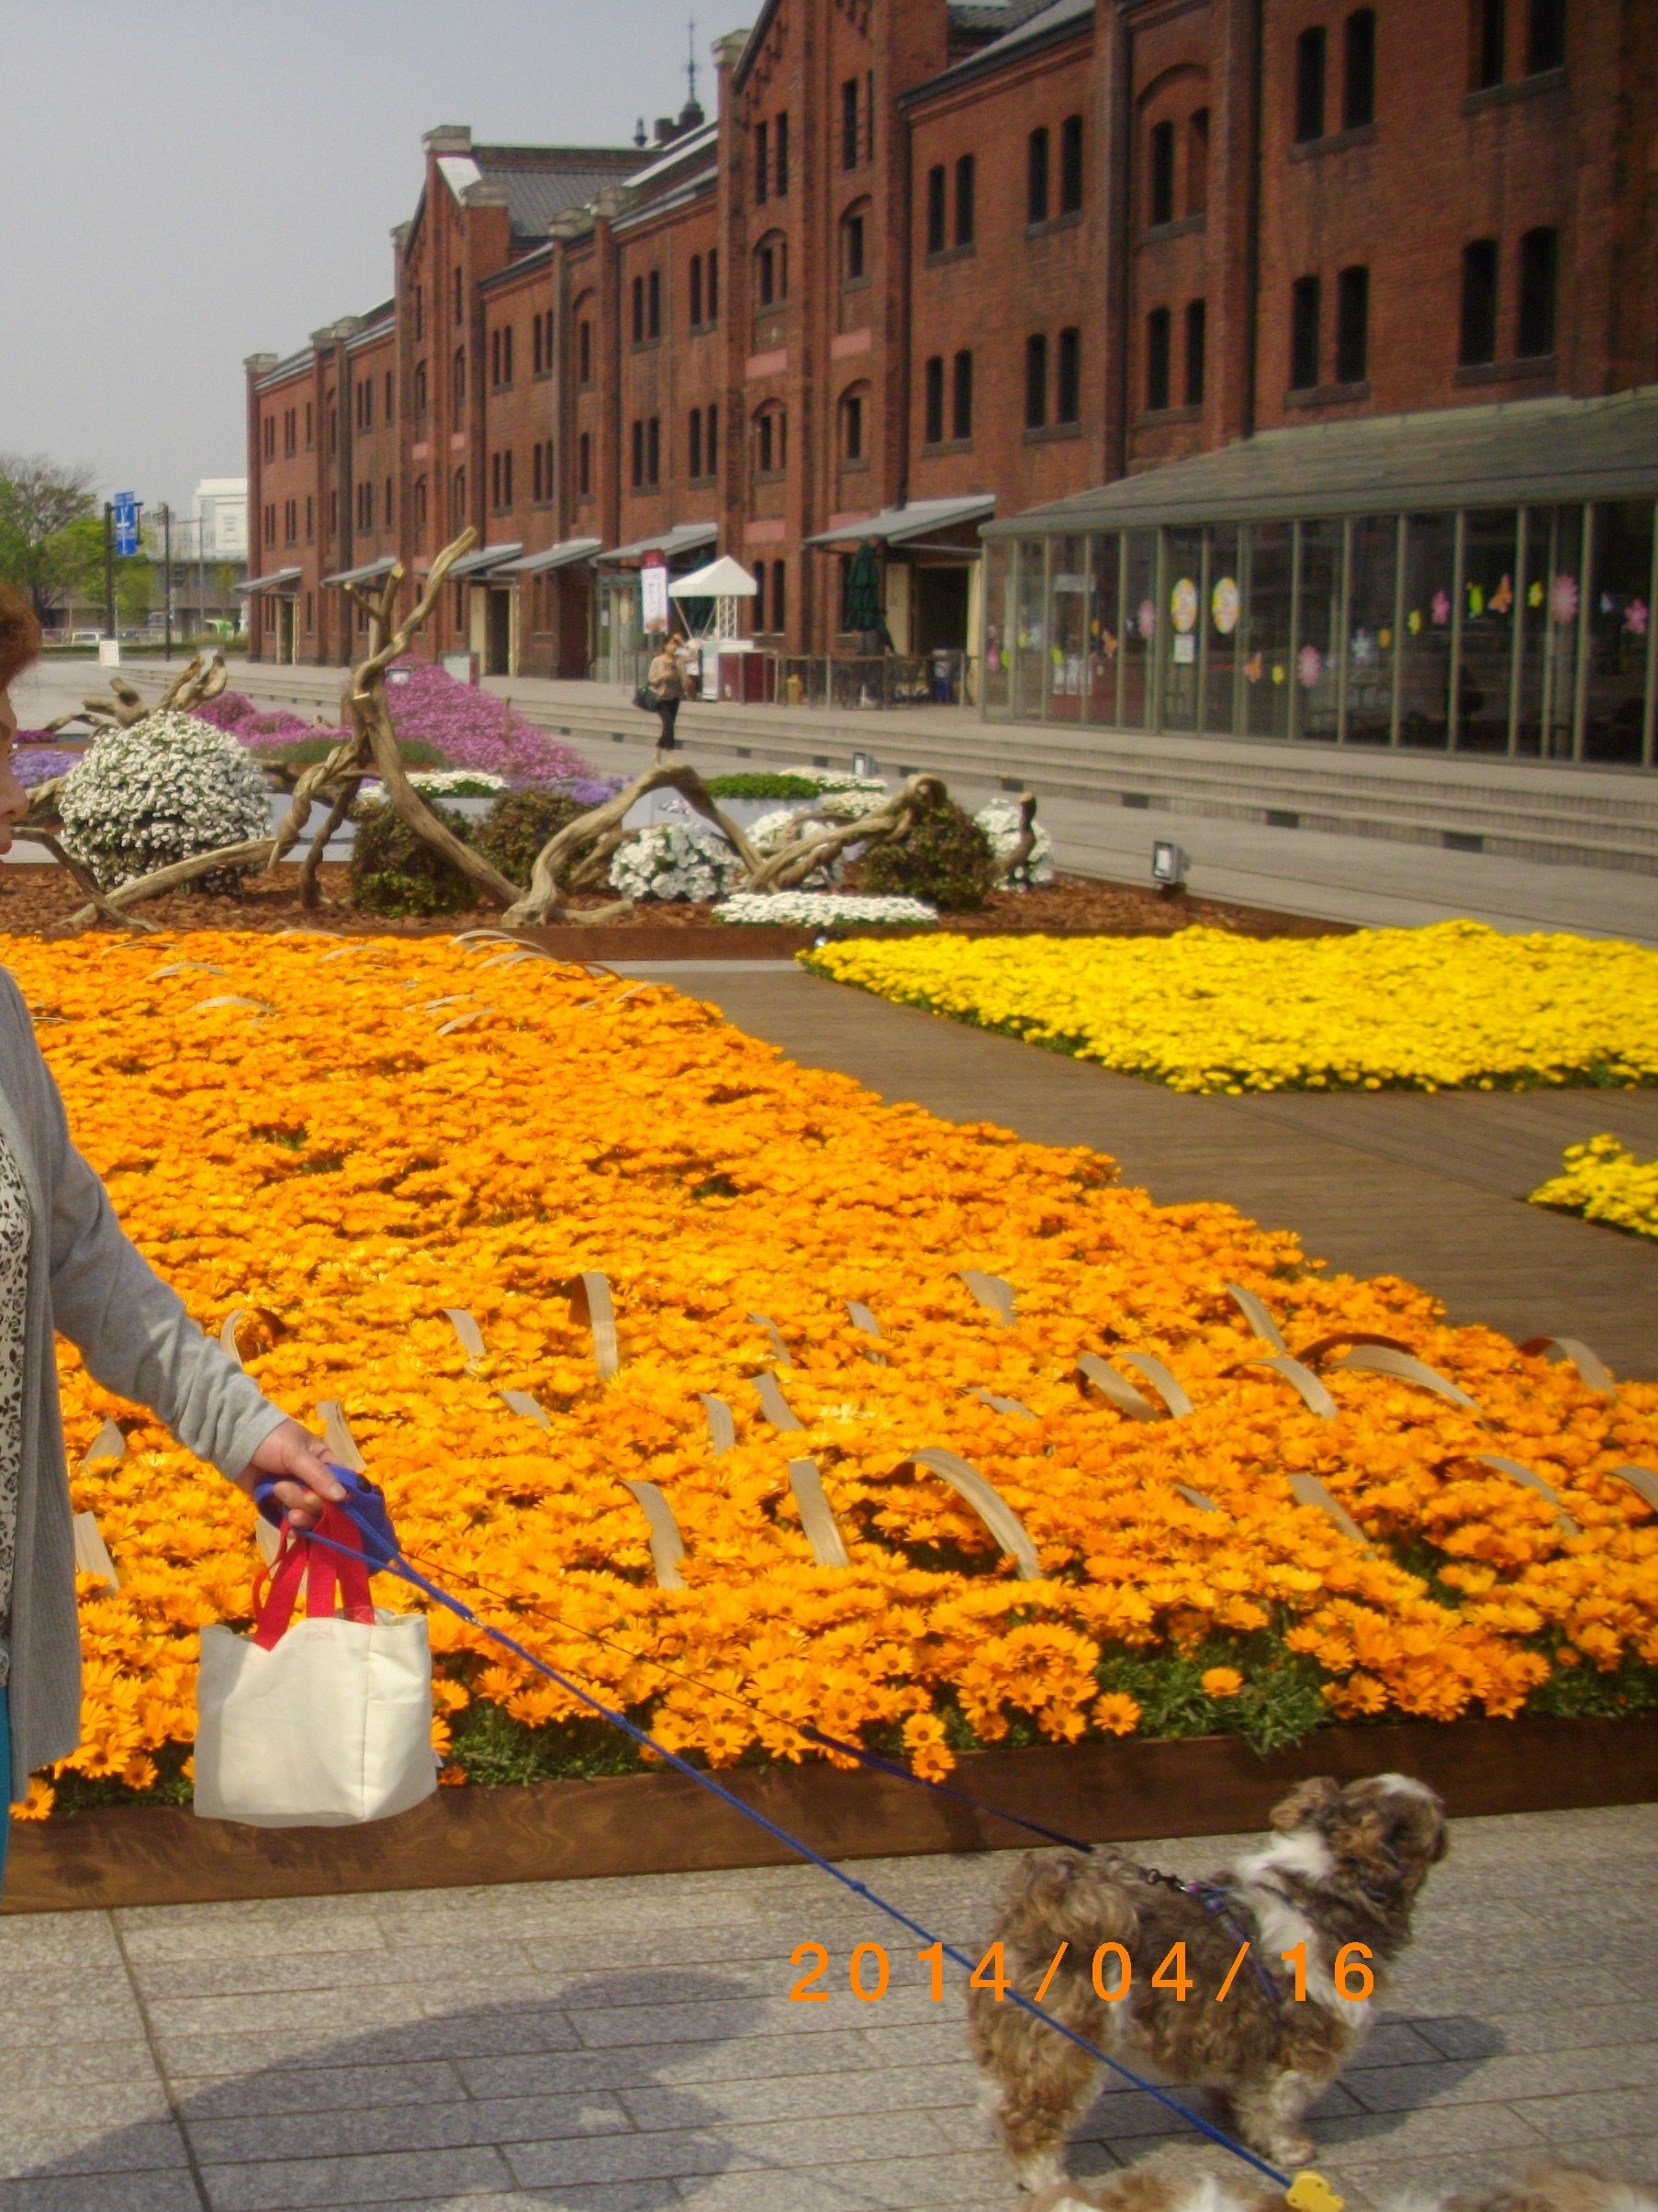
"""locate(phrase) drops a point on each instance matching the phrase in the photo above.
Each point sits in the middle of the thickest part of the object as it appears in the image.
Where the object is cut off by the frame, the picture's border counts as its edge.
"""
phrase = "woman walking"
(664, 679)
(64, 1264)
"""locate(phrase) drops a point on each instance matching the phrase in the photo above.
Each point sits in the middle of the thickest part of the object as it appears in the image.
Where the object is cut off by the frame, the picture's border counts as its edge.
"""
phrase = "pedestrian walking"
(666, 684)
(66, 1267)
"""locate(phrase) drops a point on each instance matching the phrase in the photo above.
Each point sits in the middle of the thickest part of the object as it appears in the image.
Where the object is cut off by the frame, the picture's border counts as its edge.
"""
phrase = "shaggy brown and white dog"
(1161, 2185)
(1345, 1868)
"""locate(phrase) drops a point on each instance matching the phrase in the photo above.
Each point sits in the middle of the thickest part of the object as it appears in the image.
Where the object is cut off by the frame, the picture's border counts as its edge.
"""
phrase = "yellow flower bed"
(1605, 1183)
(1446, 1007)
(353, 1136)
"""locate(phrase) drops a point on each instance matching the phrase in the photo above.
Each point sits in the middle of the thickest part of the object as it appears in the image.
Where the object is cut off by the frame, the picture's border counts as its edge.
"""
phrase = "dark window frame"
(1359, 69)
(933, 400)
(1038, 178)
(1160, 172)
(1159, 348)
(1035, 381)
(1306, 333)
(1312, 74)
(962, 396)
(1071, 165)
(1476, 343)
(1352, 324)
(1535, 310)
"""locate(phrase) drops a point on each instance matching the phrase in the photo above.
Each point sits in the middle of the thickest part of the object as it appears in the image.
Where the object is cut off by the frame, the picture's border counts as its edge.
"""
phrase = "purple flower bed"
(36, 760)
(466, 726)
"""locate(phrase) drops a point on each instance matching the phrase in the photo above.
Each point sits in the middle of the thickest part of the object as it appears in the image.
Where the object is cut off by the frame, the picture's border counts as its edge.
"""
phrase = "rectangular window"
(1198, 161)
(1309, 85)
(762, 164)
(1479, 303)
(535, 346)
(965, 179)
(936, 218)
(1035, 381)
(962, 396)
(934, 430)
(495, 369)
(584, 352)
(460, 297)
(535, 471)
(1197, 338)
(311, 435)
(852, 249)
(693, 446)
(386, 513)
(507, 499)
(507, 354)
(1305, 304)
(1539, 253)
(653, 312)
(849, 123)
(780, 596)
(696, 290)
(852, 427)
(420, 308)
(1071, 165)
(638, 438)
(310, 521)
(495, 481)
(639, 310)
(781, 156)
(763, 445)
(1546, 36)
(391, 388)
(1352, 326)
(713, 285)
(1067, 375)
(714, 440)
(1359, 82)
(869, 113)
(1490, 38)
(584, 465)
(653, 450)
(1157, 359)
(1036, 178)
(760, 598)
(1160, 181)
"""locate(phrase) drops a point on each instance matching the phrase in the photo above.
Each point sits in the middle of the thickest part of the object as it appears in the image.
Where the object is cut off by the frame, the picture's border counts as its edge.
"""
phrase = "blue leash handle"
(365, 1507)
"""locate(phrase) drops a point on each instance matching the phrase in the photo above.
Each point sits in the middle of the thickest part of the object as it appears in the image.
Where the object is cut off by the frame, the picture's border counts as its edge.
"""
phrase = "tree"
(50, 545)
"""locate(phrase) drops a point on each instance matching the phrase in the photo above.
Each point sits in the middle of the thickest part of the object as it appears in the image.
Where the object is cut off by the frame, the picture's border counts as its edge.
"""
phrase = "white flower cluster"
(163, 789)
(1000, 823)
(821, 909)
(667, 861)
(774, 830)
(447, 783)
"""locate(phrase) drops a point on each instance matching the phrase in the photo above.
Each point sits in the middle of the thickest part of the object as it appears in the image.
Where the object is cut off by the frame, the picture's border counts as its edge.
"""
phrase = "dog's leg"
(1269, 2111)
(1036, 2084)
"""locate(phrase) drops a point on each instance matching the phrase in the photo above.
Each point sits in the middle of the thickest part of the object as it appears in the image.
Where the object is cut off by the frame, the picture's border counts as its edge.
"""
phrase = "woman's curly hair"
(19, 634)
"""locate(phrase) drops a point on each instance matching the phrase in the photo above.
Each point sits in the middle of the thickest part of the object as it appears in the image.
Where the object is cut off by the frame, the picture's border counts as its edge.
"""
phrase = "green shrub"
(763, 786)
(518, 824)
(946, 860)
(395, 871)
(305, 751)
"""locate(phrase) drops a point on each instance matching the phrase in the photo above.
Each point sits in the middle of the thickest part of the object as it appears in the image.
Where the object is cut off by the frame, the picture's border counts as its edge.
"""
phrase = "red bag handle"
(322, 1571)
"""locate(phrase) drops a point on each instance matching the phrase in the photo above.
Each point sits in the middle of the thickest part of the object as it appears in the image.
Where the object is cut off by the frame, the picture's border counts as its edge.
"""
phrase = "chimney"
(448, 138)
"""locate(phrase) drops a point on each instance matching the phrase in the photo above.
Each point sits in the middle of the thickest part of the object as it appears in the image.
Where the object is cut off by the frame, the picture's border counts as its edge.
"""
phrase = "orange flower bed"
(352, 1137)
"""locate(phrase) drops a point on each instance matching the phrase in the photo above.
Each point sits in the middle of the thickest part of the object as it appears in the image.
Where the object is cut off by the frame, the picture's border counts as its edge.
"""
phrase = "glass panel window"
(1372, 581)
(1548, 638)
(1030, 634)
(1105, 627)
(1430, 580)
(1619, 616)
(1264, 630)
(1485, 661)
(1222, 609)
(1318, 632)
(1068, 582)
(1140, 626)
(999, 619)
(1181, 630)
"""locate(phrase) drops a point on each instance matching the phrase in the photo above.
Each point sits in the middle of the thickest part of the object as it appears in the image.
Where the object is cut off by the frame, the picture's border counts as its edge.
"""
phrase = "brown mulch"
(37, 902)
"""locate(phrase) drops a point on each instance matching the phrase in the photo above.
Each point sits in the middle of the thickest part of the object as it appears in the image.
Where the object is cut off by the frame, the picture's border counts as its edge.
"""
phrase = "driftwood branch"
(194, 683)
(571, 853)
(250, 855)
(309, 891)
(101, 901)
(1024, 845)
(793, 863)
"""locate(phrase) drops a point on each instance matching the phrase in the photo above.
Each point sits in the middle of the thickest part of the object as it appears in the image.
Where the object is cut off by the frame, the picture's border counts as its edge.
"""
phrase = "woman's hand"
(290, 1451)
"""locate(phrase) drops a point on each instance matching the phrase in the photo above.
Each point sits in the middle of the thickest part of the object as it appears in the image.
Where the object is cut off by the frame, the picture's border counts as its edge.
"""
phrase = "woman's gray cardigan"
(135, 1336)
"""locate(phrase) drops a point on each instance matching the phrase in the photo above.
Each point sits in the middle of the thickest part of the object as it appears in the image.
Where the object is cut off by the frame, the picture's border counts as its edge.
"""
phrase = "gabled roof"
(542, 180)
(1035, 26)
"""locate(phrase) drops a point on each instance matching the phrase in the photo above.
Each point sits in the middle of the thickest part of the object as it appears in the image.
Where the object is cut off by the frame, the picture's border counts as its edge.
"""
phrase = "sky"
(193, 181)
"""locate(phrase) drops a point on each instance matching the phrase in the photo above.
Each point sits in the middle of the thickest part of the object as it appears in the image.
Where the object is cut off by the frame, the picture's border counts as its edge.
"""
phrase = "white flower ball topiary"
(164, 790)
(667, 861)
(1000, 823)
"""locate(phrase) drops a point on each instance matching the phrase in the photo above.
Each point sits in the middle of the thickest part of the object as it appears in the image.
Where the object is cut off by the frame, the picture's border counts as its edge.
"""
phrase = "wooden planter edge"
(656, 1824)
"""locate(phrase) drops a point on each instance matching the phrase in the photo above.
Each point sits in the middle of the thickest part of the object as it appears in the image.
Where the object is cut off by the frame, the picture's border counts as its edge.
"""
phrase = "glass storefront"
(1522, 631)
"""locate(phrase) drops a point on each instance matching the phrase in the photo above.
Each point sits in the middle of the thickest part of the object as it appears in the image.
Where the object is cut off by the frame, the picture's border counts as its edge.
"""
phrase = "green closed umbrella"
(863, 592)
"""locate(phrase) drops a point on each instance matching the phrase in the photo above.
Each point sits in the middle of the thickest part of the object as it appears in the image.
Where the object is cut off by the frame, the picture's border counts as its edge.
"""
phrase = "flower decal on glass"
(1147, 619)
(1502, 599)
(1441, 609)
(1252, 668)
(1635, 617)
(1182, 605)
(1226, 604)
(1363, 651)
(1413, 621)
(1563, 598)
(1309, 666)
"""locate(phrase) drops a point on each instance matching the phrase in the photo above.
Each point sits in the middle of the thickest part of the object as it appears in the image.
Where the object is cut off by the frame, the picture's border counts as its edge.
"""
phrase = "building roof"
(563, 555)
(542, 180)
(279, 579)
(370, 571)
(1532, 450)
(483, 558)
(898, 525)
(1029, 28)
(682, 537)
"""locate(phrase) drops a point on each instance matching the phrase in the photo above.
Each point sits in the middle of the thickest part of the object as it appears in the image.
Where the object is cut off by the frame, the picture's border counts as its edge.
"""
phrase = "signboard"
(653, 591)
(125, 519)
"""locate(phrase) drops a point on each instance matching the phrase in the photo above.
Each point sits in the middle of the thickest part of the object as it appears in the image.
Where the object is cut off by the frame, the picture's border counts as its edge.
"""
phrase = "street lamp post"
(167, 564)
(108, 569)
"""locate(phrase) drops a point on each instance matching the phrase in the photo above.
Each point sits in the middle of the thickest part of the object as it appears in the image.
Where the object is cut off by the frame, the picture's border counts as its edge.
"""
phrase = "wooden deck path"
(1401, 1183)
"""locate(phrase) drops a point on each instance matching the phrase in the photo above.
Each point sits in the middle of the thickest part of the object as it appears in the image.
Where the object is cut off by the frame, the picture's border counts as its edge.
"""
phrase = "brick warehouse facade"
(936, 260)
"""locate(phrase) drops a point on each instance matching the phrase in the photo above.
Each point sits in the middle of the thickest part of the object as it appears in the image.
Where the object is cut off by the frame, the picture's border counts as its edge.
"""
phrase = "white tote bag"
(321, 1721)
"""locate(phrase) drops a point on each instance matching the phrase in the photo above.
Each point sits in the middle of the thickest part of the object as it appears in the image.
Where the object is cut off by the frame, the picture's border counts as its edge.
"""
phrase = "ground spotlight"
(1169, 866)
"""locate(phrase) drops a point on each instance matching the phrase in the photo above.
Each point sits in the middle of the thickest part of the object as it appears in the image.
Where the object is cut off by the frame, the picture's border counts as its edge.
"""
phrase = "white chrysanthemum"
(848, 803)
(1000, 823)
(667, 861)
(842, 779)
(164, 790)
(819, 909)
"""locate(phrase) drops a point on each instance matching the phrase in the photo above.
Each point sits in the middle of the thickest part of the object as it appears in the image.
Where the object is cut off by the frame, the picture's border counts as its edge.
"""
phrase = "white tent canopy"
(721, 580)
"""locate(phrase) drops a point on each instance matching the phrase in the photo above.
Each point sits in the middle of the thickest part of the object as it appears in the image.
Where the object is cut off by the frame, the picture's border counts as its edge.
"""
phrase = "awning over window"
(565, 555)
(897, 525)
(370, 572)
(684, 537)
(279, 579)
(483, 558)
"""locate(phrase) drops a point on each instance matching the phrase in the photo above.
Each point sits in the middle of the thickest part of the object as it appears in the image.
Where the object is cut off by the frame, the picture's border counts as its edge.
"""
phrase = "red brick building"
(936, 262)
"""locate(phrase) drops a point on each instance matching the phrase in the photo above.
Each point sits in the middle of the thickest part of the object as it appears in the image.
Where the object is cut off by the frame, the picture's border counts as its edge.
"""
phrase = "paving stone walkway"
(629, 2045)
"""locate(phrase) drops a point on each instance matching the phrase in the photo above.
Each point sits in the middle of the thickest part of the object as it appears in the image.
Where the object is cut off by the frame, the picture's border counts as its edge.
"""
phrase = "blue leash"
(365, 1507)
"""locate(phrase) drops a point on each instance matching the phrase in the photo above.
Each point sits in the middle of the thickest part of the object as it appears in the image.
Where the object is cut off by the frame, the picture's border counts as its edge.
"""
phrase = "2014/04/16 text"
(868, 1968)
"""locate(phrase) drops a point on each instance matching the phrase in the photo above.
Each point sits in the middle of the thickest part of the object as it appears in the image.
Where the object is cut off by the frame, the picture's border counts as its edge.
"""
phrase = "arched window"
(1352, 326)
(457, 500)
(1035, 381)
(1157, 360)
(1198, 161)
(582, 314)
(1067, 375)
(1478, 341)
(856, 424)
(457, 377)
(855, 244)
(1359, 82)
(419, 387)
(770, 441)
(933, 400)
(935, 208)
(962, 396)
(1159, 176)
(1036, 178)
(1071, 165)
(771, 270)
(1306, 350)
(1539, 253)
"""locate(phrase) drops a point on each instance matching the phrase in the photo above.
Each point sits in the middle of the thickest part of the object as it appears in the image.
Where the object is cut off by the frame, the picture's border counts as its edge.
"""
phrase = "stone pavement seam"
(193, 2165)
